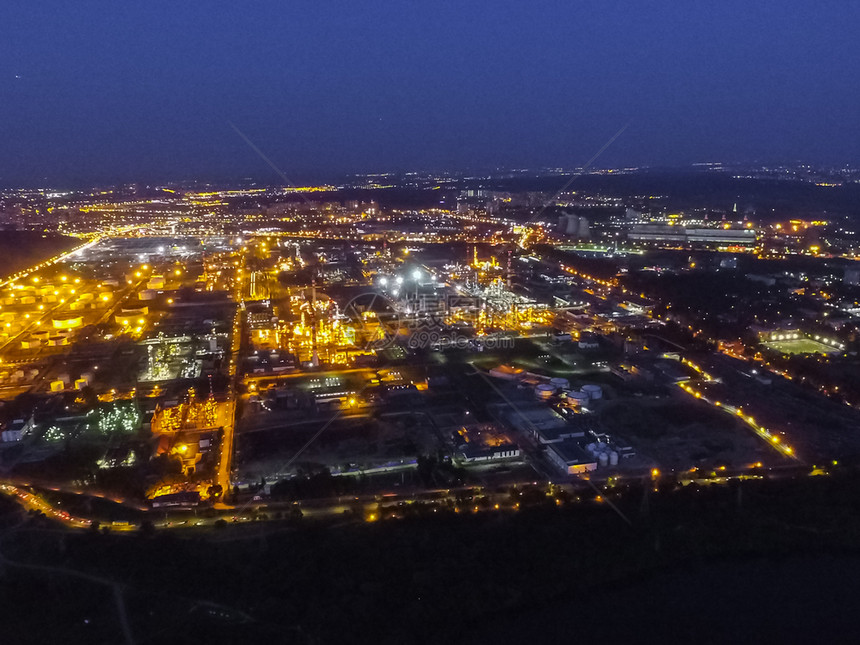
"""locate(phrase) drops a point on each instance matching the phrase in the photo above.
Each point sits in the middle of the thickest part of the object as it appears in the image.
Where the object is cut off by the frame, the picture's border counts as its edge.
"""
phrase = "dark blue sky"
(95, 90)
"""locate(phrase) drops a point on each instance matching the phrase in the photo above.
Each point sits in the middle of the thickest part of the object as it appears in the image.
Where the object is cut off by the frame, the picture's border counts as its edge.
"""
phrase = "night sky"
(103, 91)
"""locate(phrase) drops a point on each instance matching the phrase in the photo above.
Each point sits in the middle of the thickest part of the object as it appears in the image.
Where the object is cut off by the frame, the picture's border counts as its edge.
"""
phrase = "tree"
(88, 394)
(425, 467)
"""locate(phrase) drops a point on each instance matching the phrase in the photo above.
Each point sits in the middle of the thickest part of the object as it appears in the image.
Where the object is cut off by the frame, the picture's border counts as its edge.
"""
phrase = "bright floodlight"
(416, 274)
(383, 282)
(400, 279)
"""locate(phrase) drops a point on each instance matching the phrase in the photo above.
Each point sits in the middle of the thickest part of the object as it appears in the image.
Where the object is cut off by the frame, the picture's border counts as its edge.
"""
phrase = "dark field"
(710, 565)
(21, 249)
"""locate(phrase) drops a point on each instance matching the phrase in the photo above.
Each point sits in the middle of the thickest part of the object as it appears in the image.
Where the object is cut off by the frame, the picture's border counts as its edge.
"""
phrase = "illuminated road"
(33, 502)
(225, 457)
(770, 437)
(225, 461)
(54, 260)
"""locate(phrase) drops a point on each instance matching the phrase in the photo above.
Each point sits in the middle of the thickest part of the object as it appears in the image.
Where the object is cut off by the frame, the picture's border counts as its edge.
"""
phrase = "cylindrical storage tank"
(603, 459)
(147, 294)
(594, 392)
(560, 383)
(579, 398)
(613, 458)
(544, 391)
(67, 322)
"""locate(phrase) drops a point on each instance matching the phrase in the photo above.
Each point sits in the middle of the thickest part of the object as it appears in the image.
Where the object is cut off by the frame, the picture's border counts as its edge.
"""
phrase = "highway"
(31, 501)
(372, 507)
(54, 260)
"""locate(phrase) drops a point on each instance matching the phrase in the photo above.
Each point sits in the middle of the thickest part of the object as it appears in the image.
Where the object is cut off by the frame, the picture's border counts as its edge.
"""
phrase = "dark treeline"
(434, 575)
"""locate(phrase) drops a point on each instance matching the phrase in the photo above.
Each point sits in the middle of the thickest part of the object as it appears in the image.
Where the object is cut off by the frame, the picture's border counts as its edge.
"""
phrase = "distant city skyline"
(329, 88)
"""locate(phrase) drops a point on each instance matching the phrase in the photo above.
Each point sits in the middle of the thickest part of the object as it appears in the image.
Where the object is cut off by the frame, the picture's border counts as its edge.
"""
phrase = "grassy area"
(801, 346)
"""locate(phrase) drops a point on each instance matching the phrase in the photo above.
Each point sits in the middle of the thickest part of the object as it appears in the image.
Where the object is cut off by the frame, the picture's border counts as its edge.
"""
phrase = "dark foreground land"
(752, 561)
(22, 249)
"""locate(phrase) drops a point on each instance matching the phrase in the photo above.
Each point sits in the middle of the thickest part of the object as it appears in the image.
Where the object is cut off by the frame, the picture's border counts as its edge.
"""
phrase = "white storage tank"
(560, 383)
(613, 458)
(155, 282)
(603, 459)
(134, 311)
(147, 294)
(578, 398)
(67, 322)
(594, 392)
(544, 391)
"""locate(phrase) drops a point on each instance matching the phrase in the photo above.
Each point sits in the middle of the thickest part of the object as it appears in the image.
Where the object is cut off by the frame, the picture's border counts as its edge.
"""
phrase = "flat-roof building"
(570, 458)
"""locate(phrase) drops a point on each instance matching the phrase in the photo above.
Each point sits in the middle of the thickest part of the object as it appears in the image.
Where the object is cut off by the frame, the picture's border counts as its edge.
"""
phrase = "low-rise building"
(570, 458)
